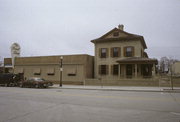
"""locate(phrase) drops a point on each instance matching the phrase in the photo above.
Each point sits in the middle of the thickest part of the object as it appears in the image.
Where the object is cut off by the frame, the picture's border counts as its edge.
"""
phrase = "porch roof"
(137, 60)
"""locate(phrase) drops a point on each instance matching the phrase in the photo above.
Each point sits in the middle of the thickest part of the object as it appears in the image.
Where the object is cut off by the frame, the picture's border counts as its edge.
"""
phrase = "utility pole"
(61, 69)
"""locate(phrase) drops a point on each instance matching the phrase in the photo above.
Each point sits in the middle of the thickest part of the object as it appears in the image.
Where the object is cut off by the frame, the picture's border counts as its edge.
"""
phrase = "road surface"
(68, 105)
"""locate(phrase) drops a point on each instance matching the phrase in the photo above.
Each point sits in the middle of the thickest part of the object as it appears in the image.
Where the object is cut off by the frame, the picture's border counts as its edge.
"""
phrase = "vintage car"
(10, 79)
(35, 82)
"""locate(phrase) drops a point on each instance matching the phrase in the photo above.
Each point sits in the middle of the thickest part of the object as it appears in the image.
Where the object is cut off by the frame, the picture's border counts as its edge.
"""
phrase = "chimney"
(121, 27)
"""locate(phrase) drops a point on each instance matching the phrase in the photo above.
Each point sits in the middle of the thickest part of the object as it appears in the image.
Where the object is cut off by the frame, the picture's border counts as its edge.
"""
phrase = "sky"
(60, 27)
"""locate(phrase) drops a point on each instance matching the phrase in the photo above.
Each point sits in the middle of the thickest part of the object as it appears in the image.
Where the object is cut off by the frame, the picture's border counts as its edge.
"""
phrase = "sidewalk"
(120, 88)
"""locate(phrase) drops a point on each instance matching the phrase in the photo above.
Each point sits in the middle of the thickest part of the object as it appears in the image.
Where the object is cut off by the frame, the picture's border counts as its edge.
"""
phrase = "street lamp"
(61, 69)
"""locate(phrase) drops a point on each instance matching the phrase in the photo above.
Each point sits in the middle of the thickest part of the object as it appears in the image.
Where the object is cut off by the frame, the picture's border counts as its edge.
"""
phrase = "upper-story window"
(129, 51)
(115, 51)
(103, 53)
(116, 34)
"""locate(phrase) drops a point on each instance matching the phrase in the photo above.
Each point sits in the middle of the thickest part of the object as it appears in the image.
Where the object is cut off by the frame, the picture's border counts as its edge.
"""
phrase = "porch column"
(135, 70)
(119, 73)
(153, 70)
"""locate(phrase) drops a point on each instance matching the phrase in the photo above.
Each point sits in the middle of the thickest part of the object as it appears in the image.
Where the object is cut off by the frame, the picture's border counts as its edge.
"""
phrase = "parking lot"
(74, 105)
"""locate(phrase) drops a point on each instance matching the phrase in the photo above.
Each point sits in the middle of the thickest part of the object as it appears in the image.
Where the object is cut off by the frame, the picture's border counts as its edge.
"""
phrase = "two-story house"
(121, 55)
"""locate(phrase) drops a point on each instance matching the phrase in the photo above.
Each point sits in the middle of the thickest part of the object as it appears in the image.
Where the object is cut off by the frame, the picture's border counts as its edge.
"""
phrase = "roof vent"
(121, 27)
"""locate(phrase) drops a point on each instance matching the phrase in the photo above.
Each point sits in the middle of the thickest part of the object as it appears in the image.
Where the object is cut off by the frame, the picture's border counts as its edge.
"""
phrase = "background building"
(8, 65)
(176, 68)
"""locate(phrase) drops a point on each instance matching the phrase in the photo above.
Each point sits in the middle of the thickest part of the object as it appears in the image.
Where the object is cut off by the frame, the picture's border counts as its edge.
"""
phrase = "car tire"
(21, 85)
(36, 86)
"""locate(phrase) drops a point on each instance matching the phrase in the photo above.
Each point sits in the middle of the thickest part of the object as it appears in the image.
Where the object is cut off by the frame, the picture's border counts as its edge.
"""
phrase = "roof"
(54, 60)
(128, 37)
(138, 60)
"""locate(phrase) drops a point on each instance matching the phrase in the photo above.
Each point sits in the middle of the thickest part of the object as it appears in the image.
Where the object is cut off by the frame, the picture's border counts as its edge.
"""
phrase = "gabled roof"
(128, 37)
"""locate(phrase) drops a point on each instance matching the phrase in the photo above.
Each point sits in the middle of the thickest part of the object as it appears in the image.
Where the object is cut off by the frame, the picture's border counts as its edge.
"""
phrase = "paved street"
(73, 105)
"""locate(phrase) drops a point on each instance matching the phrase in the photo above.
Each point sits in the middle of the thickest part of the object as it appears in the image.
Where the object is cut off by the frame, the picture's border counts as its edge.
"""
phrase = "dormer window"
(116, 34)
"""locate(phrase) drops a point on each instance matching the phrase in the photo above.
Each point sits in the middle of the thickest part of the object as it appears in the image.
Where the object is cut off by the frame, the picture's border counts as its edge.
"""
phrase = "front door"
(146, 70)
(129, 70)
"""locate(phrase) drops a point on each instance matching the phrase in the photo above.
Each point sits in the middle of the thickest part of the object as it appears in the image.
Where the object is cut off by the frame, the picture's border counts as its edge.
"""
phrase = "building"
(76, 68)
(121, 55)
(176, 68)
(8, 65)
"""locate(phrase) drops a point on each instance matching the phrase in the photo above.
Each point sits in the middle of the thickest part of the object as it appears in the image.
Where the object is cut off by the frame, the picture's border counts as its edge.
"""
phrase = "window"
(115, 69)
(103, 69)
(116, 34)
(37, 71)
(129, 51)
(50, 71)
(103, 52)
(115, 52)
(71, 72)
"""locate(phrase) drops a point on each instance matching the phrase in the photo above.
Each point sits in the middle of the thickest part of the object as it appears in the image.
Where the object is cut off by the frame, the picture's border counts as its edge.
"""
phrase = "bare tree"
(165, 64)
(1, 65)
(1, 62)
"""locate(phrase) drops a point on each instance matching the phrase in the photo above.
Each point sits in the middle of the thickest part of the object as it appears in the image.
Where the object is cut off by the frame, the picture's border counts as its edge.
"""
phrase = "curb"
(162, 90)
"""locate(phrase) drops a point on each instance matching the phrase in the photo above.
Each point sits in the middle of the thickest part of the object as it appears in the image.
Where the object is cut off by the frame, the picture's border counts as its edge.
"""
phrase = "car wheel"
(36, 86)
(21, 85)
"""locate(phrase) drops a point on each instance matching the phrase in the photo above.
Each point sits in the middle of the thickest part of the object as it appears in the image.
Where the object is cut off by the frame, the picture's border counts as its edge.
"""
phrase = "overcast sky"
(55, 27)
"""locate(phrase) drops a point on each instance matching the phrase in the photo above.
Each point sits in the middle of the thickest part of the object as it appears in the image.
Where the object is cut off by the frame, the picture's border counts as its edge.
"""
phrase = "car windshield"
(37, 79)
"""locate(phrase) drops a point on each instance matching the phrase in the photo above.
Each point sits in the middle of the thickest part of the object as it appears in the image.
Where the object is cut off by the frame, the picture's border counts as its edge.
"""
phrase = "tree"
(1, 62)
(1, 65)
(165, 64)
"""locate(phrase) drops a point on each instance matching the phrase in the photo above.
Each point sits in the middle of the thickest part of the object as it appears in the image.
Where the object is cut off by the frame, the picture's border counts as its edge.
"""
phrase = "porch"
(137, 68)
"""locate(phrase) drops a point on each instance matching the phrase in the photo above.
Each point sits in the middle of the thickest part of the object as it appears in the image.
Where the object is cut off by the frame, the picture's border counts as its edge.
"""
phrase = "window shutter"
(99, 68)
(99, 52)
(111, 52)
(119, 52)
(107, 53)
(133, 51)
(107, 69)
(125, 51)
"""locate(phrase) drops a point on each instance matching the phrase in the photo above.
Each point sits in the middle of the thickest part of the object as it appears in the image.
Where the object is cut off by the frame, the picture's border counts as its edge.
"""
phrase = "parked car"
(10, 79)
(35, 82)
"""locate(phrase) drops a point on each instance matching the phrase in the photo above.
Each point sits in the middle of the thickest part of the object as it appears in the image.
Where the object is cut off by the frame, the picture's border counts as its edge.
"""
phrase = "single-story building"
(76, 68)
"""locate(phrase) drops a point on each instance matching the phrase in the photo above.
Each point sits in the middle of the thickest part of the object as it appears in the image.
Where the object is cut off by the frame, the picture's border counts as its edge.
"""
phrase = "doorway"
(146, 70)
(129, 70)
